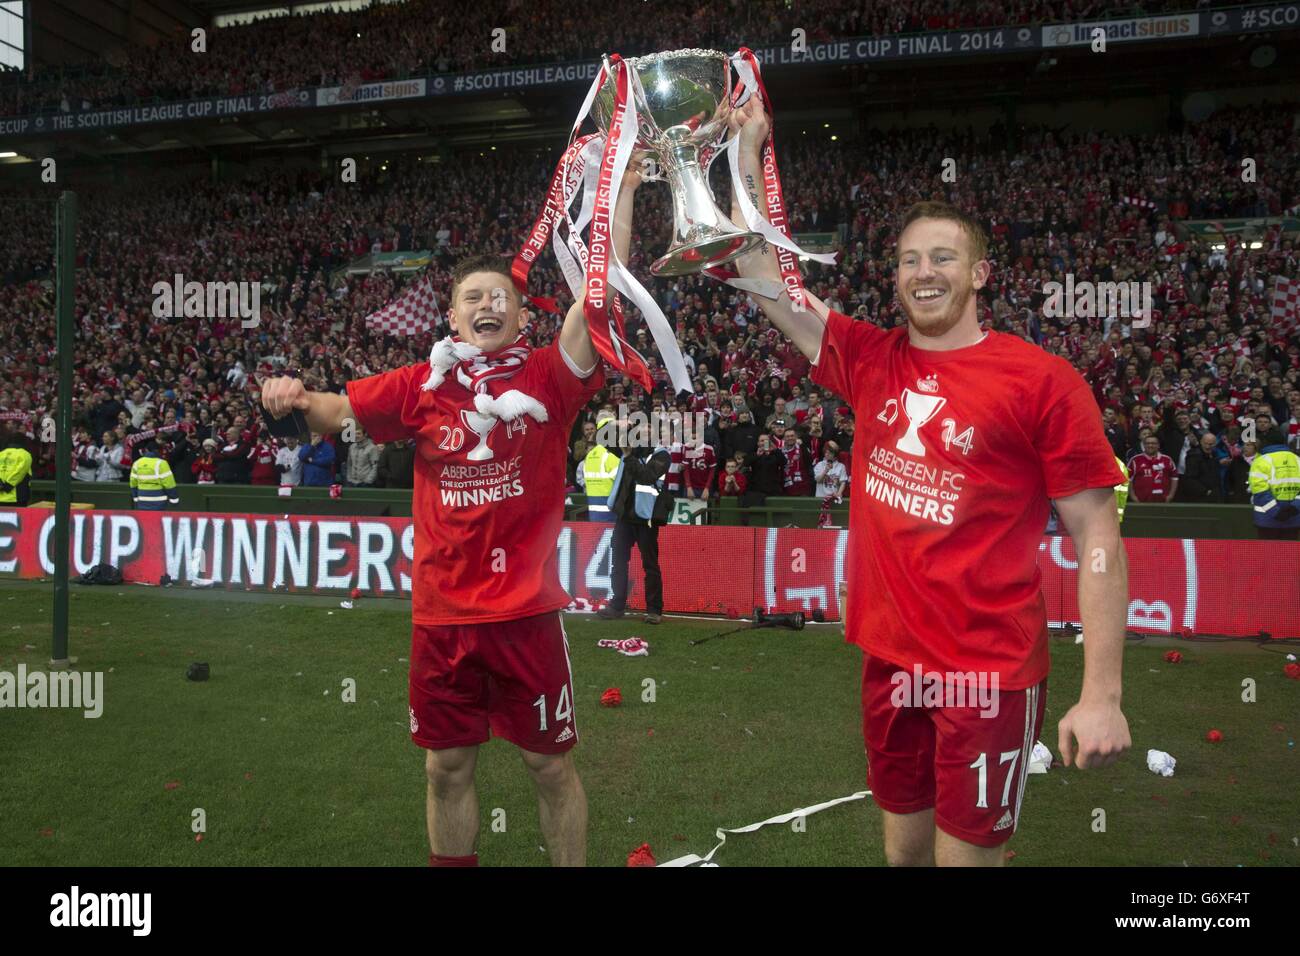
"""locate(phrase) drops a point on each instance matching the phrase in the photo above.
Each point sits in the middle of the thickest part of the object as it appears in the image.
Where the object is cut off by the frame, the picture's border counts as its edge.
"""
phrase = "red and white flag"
(1285, 308)
(415, 312)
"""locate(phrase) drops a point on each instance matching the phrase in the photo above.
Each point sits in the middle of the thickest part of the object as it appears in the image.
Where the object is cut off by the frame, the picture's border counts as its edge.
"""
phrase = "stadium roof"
(69, 31)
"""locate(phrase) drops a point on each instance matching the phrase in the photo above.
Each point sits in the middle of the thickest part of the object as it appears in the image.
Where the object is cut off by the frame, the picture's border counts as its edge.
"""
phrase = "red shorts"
(509, 678)
(968, 762)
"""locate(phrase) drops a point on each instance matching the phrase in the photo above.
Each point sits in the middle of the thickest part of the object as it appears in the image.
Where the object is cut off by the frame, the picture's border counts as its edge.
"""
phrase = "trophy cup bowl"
(919, 409)
(480, 425)
(683, 101)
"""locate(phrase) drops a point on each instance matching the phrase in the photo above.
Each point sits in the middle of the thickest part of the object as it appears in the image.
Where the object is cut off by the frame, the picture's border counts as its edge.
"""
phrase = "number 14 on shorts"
(563, 708)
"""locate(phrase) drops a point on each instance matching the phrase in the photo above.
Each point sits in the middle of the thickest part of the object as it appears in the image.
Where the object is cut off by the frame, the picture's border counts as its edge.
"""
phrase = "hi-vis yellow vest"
(1121, 491)
(1277, 472)
(598, 469)
(1275, 487)
(15, 466)
(152, 483)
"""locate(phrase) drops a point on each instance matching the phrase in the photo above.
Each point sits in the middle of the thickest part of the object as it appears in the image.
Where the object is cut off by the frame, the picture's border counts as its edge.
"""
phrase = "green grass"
(744, 728)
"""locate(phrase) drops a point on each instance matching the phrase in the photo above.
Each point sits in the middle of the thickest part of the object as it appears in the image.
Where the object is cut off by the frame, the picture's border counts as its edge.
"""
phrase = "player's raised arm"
(1096, 721)
(325, 411)
(802, 327)
(575, 338)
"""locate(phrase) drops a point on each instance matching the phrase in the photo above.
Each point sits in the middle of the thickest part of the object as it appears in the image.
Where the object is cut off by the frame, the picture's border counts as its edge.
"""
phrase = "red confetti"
(1010, 855)
(248, 775)
(198, 838)
(1214, 736)
(641, 856)
(1173, 657)
(47, 831)
(679, 838)
(1232, 778)
(1163, 801)
(1234, 820)
(171, 784)
(650, 732)
(1272, 839)
(1265, 855)
(611, 698)
(1279, 727)
(1292, 671)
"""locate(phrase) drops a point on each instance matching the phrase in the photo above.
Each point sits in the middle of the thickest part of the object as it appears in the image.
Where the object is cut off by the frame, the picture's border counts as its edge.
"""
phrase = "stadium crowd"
(1211, 364)
(388, 41)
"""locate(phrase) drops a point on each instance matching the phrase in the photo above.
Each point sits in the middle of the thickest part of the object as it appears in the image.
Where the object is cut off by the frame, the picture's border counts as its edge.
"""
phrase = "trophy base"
(693, 257)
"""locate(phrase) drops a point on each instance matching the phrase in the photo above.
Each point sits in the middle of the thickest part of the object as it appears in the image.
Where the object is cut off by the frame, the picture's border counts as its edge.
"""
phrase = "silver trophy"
(919, 409)
(682, 102)
(480, 425)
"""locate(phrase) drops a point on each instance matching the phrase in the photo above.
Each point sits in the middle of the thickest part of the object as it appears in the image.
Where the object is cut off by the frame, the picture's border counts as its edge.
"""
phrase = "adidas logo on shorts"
(565, 734)
(1005, 822)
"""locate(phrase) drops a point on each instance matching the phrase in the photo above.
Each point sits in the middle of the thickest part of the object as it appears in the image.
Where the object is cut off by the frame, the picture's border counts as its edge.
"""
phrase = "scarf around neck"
(484, 375)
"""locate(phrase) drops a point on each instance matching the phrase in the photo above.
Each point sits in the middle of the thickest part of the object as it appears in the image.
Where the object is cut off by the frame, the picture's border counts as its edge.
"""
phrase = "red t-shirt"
(1152, 476)
(952, 497)
(742, 483)
(698, 466)
(485, 527)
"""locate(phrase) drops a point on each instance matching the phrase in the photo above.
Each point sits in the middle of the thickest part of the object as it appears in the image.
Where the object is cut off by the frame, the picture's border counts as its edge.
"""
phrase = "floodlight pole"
(65, 259)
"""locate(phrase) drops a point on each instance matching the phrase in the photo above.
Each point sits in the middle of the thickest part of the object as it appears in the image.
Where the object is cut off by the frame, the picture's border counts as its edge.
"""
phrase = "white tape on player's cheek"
(721, 834)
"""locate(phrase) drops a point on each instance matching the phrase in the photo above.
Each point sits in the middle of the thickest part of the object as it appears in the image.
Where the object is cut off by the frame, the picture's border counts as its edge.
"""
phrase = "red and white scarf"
(793, 464)
(484, 374)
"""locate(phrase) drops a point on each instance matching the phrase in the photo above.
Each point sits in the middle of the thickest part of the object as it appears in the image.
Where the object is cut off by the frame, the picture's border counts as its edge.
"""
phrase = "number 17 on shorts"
(964, 755)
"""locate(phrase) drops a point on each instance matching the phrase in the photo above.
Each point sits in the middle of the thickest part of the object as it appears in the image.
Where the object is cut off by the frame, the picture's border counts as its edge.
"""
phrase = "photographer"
(641, 506)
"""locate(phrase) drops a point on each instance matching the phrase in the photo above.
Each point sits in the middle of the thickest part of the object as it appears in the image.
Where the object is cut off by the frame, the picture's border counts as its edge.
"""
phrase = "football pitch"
(730, 732)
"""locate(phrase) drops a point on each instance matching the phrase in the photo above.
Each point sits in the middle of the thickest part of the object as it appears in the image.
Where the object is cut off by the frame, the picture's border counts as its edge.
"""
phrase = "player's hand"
(283, 394)
(750, 123)
(1100, 731)
(636, 165)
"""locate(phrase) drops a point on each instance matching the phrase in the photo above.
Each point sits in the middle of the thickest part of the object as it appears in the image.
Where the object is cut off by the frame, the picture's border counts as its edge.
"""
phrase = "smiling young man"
(963, 438)
(491, 419)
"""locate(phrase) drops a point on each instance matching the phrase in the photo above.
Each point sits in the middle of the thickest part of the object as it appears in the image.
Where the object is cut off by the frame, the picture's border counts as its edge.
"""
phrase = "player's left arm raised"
(1094, 733)
(575, 338)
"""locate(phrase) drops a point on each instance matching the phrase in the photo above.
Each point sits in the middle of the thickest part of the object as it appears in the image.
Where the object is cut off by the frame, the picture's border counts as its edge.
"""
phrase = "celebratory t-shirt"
(489, 494)
(955, 457)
